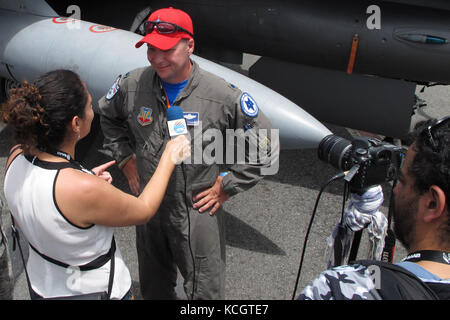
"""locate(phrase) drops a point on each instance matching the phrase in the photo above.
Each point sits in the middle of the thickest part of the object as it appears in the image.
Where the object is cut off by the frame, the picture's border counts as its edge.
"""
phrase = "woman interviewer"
(65, 211)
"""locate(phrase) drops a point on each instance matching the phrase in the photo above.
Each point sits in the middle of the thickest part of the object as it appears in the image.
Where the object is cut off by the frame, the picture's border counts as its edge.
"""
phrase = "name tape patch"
(192, 118)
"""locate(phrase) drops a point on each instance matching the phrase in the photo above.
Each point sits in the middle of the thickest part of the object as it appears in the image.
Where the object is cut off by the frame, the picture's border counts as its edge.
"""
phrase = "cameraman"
(422, 225)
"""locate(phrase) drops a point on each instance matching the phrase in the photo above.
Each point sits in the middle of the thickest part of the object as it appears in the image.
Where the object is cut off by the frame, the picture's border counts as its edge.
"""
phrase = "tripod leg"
(355, 246)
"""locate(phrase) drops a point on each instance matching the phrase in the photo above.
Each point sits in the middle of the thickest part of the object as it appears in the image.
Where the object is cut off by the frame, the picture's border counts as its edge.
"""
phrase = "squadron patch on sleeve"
(114, 89)
(249, 106)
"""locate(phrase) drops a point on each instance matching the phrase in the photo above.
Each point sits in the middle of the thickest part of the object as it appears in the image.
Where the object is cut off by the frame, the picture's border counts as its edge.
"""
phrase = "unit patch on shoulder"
(114, 89)
(249, 106)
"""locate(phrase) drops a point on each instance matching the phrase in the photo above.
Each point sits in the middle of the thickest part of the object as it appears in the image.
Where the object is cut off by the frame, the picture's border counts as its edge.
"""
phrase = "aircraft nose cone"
(301, 131)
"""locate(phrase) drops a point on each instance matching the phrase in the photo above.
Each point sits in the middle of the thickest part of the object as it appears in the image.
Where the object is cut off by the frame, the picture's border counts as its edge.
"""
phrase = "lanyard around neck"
(60, 154)
(429, 255)
(66, 156)
(164, 95)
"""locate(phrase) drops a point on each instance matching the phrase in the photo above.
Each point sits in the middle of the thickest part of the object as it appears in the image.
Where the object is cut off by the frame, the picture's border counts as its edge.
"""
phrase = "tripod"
(361, 214)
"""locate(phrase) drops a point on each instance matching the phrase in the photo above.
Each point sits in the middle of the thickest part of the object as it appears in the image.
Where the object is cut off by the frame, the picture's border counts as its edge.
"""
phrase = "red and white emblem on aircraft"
(98, 28)
(61, 20)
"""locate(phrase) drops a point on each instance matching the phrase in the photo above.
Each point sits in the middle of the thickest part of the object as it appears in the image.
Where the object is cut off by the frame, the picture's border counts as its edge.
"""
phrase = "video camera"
(370, 161)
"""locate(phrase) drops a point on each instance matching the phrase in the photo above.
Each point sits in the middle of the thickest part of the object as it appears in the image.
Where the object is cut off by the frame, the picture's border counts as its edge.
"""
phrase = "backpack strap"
(95, 264)
(397, 283)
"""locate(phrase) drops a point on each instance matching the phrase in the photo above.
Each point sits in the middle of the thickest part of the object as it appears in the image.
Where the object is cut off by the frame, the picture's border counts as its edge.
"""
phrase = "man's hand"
(101, 172)
(130, 171)
(213, 197)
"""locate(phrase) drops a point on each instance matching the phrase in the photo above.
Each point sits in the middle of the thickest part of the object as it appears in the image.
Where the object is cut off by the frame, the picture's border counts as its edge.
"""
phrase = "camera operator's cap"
(166, 41)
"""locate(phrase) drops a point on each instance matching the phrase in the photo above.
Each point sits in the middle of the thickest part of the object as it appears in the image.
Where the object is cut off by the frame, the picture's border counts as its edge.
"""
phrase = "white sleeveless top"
(29, 190)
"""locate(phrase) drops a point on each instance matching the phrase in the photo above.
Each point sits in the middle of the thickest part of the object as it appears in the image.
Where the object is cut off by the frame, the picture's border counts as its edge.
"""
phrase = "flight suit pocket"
(201, 276)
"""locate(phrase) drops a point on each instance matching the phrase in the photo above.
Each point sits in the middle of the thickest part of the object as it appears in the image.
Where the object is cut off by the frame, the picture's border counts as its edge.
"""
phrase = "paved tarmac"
(266, 225)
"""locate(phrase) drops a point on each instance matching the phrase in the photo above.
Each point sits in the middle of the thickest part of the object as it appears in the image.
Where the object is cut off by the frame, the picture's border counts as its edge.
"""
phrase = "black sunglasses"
(163, 27)
(429, 132)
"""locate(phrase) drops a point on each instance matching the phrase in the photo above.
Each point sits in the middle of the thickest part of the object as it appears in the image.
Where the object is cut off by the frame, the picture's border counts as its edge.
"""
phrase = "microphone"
(177, 126)
(176, 122)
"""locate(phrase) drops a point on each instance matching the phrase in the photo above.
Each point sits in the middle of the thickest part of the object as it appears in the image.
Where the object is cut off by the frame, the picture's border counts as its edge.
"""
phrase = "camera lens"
(335, 151)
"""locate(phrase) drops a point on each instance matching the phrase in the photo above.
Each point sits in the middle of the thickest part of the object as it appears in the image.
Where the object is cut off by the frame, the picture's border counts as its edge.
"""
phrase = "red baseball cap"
(166, 41)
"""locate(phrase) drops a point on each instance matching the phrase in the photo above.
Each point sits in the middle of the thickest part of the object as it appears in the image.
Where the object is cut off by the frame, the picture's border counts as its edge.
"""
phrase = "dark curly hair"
(40, 112)
(431, 165)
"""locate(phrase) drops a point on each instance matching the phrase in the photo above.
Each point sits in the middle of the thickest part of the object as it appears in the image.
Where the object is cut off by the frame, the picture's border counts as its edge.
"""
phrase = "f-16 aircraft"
(35, 39)
(353, 63)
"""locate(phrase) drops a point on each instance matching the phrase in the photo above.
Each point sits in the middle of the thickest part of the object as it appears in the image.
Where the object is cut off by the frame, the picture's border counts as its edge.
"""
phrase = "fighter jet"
(354, 63)
(36, 39)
